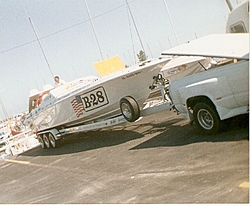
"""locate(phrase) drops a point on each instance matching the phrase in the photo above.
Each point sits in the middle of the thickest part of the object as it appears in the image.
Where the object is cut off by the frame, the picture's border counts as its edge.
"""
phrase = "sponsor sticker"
(89, 101)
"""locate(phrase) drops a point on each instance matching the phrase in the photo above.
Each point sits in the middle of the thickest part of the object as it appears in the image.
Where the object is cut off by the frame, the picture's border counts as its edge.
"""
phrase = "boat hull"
(97, 101)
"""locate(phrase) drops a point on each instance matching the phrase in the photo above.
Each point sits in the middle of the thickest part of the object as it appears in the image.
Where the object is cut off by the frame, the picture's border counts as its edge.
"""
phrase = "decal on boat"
(130, 75)
(94, 99)
(77, 106)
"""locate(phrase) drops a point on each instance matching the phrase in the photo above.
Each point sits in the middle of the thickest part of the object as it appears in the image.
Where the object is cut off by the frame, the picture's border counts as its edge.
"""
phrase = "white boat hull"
(74, 105)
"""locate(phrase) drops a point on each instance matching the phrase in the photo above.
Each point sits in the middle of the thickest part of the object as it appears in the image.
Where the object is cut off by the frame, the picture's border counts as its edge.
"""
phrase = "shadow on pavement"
(171, 133)
(79, 142)
(235, 129)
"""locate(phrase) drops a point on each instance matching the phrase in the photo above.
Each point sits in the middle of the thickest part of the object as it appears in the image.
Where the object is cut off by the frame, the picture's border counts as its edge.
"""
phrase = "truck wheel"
(40, 140)
(52, 140)
(206, 118)
(129, 108)
(46, 141)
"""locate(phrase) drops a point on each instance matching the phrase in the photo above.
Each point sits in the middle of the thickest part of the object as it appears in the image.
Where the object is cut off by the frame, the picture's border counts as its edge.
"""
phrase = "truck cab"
(216, 93)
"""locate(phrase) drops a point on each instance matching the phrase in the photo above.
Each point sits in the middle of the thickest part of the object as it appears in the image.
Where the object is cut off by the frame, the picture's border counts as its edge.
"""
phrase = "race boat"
(92, 99)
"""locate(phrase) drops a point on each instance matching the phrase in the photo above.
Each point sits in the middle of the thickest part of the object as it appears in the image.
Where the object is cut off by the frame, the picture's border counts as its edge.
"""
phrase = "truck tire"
(40, 140)
(129, 108)
(46, 141)
(206, 118)
(52, 140)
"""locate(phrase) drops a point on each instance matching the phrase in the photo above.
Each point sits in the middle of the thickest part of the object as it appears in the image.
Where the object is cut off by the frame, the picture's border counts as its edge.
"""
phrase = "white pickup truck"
(217, 93)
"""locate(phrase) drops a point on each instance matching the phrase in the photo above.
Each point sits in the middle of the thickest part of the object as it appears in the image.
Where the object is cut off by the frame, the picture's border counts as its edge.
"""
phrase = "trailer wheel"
(52, 140)
(206, 118)
(129, 108)
(40, 140)
(46, 141)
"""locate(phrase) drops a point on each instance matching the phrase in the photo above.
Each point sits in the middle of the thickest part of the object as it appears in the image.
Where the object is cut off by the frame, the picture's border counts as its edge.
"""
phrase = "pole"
(229, 5)
(131, 36)
(171, 22)
(135, 26)
(150, 51)
(93, 29)
(41, 47)
(4, 110)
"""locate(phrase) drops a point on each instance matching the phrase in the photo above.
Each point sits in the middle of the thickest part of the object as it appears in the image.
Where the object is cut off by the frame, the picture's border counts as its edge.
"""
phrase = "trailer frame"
(49, 138)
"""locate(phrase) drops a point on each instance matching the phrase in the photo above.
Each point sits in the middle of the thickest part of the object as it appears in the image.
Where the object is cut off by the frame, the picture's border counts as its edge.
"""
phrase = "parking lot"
(159, 159)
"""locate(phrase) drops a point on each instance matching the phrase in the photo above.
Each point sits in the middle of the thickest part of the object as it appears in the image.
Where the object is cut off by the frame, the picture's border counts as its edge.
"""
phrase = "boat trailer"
(129, 109)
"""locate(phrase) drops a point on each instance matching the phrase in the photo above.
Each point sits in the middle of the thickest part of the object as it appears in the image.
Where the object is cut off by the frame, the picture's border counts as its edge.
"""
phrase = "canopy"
(215, 45)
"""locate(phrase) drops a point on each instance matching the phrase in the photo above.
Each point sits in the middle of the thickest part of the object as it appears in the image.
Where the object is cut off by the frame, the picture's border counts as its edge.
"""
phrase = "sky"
(71, 41)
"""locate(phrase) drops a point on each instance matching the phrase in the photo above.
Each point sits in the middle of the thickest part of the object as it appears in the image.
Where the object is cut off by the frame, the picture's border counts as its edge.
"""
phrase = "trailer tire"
(40, 140)
(129, 108)
(52, 140)
(206, 118)
(46, 141)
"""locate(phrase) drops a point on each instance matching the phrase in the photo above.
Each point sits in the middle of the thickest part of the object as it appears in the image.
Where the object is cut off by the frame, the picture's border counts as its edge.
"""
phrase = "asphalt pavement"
(160, 159)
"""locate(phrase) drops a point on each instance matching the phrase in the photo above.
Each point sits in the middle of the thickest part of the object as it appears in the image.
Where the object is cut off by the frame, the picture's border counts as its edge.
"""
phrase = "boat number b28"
(94, 99)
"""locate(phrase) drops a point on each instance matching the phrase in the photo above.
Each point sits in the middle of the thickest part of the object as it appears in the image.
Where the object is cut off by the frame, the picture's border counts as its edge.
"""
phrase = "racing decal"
(94, 99)
(131, 75)
(77, 106)
(89, 101)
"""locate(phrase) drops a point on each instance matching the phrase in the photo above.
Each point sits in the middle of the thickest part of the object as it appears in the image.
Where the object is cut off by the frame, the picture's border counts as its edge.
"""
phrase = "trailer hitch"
(158, 81)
